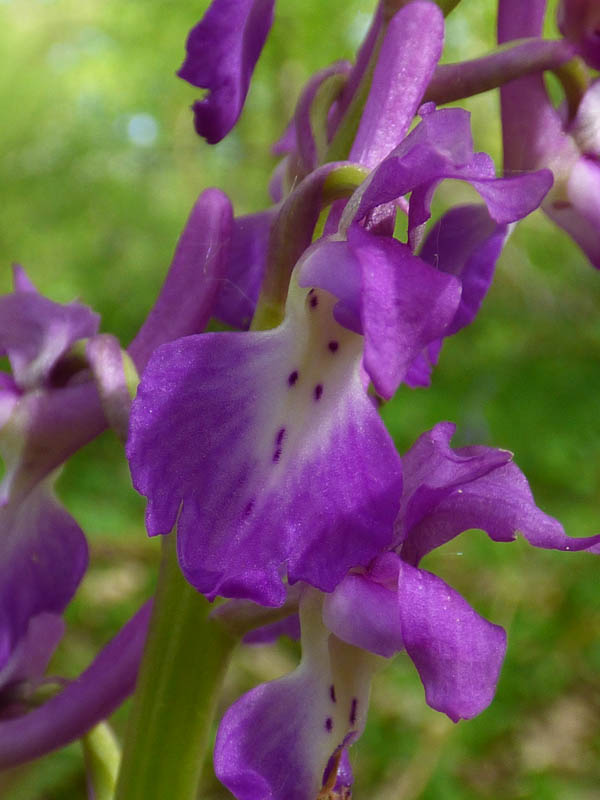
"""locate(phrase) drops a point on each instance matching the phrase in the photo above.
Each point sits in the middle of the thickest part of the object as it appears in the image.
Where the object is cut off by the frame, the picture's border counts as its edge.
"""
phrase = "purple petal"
(330, 264)
(433, 471)
(579, 213)
(197, 272)
(511, 199)
(467, 243)
(411, 48)
(245, 269)
(45, 428)
(364, 613)
(277, 740)
(419, 372)
(30, 657)
(275, 450)
(89, 699)
(22, 281)
(443, 138)
(441, 147)
(222, 51)
(35, 333)
(406, 304)
(450, 491)
(43, 556)
(106, 360)
(457, 653)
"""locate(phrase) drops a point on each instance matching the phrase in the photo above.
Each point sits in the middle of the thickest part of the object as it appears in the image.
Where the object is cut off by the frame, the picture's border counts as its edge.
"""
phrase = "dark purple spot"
(293, 377)
(561, 205)
(249, 507)
(333, 346)
(313, 299)
(329, 724)
(353, 711)
(278, 444)
(318, 391)
(332, 693)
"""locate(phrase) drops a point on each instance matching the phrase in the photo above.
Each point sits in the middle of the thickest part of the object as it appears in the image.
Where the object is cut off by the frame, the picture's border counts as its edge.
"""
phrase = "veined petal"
(364, 613)
(472, 487)
(394, 299)
(222, 51)
(406, 304)
(196, 275)
(277, 741)
(43, 556)
(35, 332)
(43, 430)
(109, 365)
(274, 451)
(457, 653)
(441, 147)
(410, 51)
(465, 242)
(245, 268)
(433, 471)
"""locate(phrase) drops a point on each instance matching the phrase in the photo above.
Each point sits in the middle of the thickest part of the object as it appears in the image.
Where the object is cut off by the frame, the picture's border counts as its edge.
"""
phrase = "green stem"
(184, 663)
(102, 754)
(575, 79)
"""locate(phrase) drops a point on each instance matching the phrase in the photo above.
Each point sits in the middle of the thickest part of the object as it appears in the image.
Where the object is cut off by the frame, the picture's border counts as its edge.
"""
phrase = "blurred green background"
(100, 167)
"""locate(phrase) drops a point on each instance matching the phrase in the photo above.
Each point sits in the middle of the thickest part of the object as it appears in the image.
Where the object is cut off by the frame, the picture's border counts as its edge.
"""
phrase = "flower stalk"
(168, 730)
(510, 61)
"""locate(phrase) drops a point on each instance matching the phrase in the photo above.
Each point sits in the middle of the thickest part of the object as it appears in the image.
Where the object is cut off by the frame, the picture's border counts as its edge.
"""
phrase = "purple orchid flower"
(282, 739)
(287, 445)
(43, 554)
(536, 135)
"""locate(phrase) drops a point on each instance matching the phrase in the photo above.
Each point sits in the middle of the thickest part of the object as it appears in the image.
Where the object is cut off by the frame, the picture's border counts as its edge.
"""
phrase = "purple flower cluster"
(263, 445)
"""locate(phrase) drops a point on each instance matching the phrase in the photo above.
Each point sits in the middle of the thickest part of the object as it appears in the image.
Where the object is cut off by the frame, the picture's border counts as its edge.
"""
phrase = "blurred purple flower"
(43, 552)
(536, 135)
